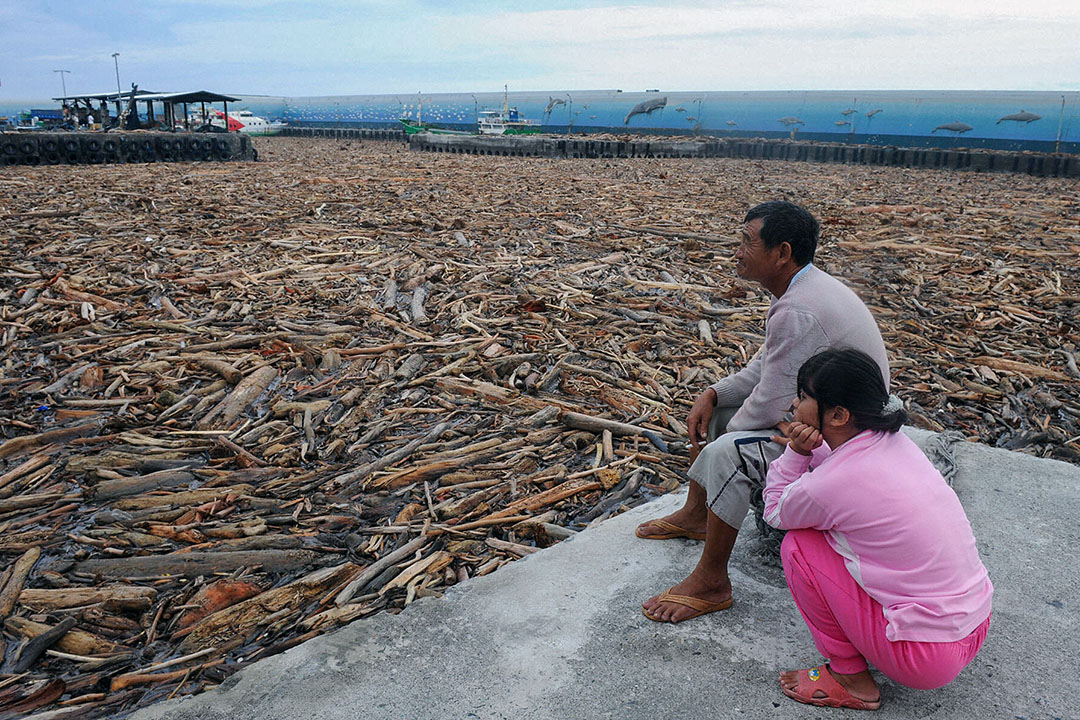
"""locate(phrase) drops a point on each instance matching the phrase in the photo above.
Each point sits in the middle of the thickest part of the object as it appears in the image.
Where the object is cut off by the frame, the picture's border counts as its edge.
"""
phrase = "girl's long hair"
(851, 379)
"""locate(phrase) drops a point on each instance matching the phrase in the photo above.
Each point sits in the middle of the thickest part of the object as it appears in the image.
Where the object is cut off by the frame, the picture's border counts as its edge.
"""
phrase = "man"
(810, 311)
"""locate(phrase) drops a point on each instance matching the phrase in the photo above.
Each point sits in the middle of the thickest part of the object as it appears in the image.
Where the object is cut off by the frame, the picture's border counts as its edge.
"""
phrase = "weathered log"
(21, 444)
(364, 471)
(372, 571)
(29, 653)
(532, 503)
(223, 625)
(186, 497)
(579, 421)
(47, 693)
(222, 368)
(12, 589)
(111, 489)
(23, 502)
(225, 413)
(56, 598)
(195, 563)
(76, 642)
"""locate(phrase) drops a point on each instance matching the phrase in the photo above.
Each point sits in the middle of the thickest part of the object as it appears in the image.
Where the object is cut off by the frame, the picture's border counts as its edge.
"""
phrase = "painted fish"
(839, 123)
(957, 127)
(872, 113)
(645, 107)
(1021, 117)
(790, 120)
(849, 111)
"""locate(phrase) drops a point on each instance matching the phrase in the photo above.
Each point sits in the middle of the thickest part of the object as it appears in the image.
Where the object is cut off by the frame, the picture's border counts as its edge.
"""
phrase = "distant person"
(879, 556)
(811, 311)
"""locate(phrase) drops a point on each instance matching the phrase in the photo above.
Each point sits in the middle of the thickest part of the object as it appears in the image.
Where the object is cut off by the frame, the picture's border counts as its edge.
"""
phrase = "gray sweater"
(816, 312)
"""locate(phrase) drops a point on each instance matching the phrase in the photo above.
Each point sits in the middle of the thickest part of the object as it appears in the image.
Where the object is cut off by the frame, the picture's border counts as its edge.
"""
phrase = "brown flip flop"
(669, 531)
(703, 607)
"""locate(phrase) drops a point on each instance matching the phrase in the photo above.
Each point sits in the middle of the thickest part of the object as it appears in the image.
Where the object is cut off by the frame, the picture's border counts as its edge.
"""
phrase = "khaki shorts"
(732, 467)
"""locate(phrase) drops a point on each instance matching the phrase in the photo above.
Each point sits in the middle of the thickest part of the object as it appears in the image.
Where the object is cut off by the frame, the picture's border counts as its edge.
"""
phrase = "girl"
(880, 557)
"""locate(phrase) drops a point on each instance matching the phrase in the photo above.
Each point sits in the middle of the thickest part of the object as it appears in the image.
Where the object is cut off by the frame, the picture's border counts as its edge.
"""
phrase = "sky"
(344, 47)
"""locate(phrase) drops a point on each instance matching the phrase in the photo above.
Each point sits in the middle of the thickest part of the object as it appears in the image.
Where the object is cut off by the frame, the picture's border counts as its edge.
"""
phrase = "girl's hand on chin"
(803, 438)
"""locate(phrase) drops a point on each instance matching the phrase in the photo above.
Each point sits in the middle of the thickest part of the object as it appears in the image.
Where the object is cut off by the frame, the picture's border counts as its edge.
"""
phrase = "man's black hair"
(785, 221)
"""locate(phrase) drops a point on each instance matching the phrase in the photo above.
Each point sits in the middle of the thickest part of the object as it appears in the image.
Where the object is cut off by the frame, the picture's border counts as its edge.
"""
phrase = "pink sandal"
(819, 679)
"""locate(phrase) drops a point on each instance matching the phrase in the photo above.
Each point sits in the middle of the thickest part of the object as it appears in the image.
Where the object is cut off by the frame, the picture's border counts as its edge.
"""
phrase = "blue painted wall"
(905, 118)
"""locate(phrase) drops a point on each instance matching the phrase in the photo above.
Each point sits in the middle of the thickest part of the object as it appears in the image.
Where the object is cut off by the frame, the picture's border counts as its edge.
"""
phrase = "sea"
(1046, 121)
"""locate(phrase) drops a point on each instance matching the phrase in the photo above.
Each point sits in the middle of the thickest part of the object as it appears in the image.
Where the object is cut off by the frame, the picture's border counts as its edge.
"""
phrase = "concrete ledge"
(560, 634)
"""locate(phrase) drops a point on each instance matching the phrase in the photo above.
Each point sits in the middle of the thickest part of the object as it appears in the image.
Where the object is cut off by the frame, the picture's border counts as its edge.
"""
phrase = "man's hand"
(697, 422)
(803, 438)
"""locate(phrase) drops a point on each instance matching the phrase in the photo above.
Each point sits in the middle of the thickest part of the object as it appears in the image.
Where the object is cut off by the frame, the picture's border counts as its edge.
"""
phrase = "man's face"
(752, 260)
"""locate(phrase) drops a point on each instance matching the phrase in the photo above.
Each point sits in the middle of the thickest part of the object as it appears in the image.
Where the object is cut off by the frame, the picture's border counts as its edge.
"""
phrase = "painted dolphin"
(645, 107)
(839, 123)
(849, 111)
(552, 104)
(691, 118)
(957, 127)
(790, 120)
(1021, 117)
(680, 108)
(872, 113)
(731, 123)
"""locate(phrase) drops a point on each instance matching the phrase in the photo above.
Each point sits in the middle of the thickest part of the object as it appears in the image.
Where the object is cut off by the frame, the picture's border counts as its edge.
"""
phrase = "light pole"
(63, 84)
(569, 117)
(116, 64)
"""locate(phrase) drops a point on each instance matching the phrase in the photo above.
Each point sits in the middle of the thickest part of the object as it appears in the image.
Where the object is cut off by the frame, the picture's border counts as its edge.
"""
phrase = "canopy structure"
(169, 101)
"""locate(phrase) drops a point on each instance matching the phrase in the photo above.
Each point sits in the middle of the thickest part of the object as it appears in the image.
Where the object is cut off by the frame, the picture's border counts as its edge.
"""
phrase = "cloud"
(340, 46)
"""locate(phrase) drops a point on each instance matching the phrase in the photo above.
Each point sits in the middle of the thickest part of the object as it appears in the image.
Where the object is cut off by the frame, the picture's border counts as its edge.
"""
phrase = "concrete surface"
(560, 634)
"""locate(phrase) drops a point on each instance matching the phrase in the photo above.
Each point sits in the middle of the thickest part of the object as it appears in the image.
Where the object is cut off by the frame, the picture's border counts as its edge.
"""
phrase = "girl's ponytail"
(851, 379)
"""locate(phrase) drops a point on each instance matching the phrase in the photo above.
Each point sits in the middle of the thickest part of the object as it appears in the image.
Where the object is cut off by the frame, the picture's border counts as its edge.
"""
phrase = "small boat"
(412, 127)
(507, 121)
(247, 122)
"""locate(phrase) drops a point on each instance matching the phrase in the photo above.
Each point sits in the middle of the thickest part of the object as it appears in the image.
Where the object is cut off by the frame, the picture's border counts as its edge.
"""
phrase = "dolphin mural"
(552, 104)
(1021, 117)
(956, 127)
(645, 107)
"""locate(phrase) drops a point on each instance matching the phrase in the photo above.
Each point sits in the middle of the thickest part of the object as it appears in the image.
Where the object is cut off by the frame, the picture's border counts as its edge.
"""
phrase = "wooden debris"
(244, 409)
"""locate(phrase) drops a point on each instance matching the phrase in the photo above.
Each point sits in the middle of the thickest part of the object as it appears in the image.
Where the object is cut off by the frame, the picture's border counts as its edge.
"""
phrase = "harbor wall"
(95, 148)
(912, 118)
(1060, 165)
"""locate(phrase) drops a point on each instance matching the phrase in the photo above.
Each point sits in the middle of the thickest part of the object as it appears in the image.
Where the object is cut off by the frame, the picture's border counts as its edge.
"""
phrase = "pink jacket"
(900, 528)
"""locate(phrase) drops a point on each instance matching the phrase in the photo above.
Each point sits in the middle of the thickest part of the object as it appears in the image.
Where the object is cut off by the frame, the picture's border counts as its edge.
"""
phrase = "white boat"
(247, 122)
(507, 121)
(243, 121)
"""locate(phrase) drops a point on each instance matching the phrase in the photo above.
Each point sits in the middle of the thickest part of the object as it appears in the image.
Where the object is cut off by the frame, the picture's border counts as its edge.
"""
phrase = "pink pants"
(848, 625)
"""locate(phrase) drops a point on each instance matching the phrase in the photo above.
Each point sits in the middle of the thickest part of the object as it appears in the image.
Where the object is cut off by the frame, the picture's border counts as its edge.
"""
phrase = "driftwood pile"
(244, 405)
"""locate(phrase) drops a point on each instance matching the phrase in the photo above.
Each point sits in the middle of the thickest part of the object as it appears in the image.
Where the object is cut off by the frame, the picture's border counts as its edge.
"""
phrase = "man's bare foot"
(715, 592)
(681, 523)
(860, 686)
